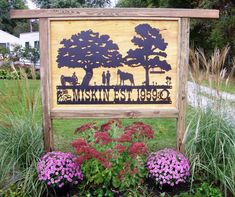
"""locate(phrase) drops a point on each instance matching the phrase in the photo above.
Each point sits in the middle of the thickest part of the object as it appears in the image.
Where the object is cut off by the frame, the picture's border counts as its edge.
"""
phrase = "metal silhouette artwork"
(125, 76)
(71, 80)
(90, 50)
(150, 47)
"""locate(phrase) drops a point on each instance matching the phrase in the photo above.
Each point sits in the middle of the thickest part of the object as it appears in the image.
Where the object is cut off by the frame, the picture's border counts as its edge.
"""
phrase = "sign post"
(114, 63)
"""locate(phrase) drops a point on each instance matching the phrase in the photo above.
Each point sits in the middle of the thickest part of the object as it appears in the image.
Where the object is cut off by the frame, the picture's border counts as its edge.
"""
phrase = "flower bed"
(112, 160)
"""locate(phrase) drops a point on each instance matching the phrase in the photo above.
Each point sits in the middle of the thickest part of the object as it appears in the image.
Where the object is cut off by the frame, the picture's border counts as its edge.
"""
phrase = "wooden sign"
(93, 65)
(114, 63)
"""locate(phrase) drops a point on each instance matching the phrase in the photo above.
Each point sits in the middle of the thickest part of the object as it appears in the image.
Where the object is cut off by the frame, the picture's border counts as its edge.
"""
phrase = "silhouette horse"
(125, 76)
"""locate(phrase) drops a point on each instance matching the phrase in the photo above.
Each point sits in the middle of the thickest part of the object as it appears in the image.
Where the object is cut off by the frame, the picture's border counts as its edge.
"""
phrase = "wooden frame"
(130, 13)
(106, 112)
(115, 12)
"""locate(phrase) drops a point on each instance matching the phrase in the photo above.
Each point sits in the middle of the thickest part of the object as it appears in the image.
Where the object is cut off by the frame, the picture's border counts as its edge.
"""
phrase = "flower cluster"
(86, 127)
(140, 129)
(107, 126)
(58, 168)
(121, 144)
(114, 152)
(137, 148)
(87, 151)
(168, 167)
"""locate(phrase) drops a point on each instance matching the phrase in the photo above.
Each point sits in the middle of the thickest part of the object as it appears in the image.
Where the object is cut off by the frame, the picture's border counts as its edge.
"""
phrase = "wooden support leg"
(45, 85)
(183, 76)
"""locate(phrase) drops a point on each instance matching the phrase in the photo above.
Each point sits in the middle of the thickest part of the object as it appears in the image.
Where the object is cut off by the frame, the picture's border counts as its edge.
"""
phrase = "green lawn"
(165, 135)
(165, 132)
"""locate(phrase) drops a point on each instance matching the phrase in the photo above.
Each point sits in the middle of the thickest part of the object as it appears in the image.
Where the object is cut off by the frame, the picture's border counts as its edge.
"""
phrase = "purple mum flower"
(54, 167)
(168, 166)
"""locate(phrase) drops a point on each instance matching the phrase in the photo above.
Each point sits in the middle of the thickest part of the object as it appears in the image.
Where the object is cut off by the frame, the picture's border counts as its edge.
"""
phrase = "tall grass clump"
(210, 146)
(212, 70)
(210, 135)
(21, 142)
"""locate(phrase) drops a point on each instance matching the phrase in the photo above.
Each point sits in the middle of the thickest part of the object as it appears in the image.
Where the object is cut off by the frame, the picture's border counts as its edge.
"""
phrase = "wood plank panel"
(158, 77)
(115, 12)
(44, 72)
(114, 113)
(183, 76)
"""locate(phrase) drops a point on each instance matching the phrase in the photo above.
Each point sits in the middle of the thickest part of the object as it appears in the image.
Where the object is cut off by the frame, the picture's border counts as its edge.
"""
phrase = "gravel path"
(201, 96)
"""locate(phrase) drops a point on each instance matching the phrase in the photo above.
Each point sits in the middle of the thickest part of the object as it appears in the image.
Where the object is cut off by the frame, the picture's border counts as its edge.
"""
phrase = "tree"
(132, 3)
(71, 3)
(12, 26)
(150, 47)
(205, 33)
(89, 50)
(31, 54)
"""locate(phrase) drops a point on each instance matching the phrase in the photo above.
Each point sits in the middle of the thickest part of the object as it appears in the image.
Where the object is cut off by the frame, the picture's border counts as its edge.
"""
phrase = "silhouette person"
(103, 78)
(108, 78)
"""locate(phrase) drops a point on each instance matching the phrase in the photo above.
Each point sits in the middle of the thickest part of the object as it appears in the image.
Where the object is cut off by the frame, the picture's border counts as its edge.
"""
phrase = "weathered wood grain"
(113, 113)
(115, 12)
(169, 31)
(44, 72)
(183, 75)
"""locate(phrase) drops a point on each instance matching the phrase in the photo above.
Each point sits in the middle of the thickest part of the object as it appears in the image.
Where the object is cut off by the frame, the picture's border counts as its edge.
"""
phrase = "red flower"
(107, 126)
(124, 138)
(80, 160)
(108, 154)
(79, 143)
(137, 148)
(102, 136)
(85, 127)
(120, 148)
(141, 129)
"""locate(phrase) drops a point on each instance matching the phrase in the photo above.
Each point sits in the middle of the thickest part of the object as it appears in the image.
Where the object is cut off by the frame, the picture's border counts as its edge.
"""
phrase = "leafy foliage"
(112, 156)
(207, 34)
(71, 3)
(12, 26)
(31, 53)
(208, 190)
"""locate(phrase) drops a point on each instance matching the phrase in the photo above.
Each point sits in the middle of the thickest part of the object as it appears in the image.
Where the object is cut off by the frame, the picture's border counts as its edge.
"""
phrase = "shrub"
(113, 156)
(168, 167)
(209, 143)
(208, 190)
(21, 143)
(57, 169)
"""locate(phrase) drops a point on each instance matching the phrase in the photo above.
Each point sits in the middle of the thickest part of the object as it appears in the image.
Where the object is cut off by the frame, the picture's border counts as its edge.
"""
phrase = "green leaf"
(116, 182)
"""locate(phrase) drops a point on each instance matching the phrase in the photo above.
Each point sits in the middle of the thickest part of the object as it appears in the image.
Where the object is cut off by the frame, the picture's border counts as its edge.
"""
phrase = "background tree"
(132, 3)
(150, 48)
(71, 3)
(12, 26)
(206, 34)
(32, 54)
(89, 50)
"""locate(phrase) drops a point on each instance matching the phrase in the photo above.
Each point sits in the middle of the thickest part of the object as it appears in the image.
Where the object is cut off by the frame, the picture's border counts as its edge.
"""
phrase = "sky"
(31, 5)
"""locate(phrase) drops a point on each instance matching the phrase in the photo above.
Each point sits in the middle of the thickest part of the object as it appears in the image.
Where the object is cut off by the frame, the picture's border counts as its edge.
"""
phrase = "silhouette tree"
(150, 47)
(89, 50)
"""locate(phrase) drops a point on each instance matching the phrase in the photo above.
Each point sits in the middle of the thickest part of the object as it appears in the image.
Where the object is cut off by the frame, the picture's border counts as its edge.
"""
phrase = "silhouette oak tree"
(89, 50)
(150, 48)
